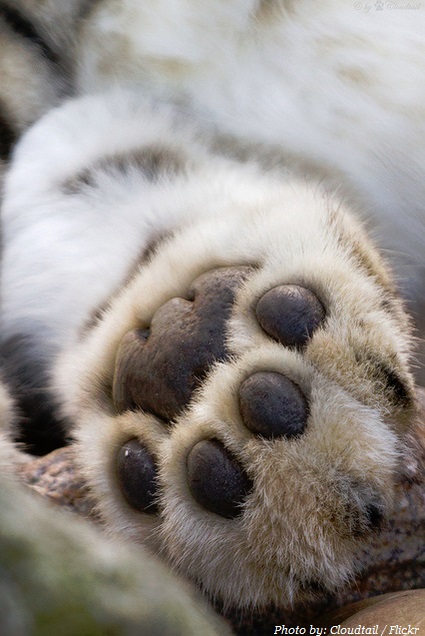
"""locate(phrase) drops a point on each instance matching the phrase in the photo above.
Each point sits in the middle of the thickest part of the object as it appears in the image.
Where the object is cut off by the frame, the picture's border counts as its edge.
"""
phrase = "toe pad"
(271, 405)
(136, 474)
(290, 314)
(216, 479)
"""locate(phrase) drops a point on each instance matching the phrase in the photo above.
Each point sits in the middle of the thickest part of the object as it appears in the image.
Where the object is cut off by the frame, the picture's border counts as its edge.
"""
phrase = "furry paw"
(242, 410)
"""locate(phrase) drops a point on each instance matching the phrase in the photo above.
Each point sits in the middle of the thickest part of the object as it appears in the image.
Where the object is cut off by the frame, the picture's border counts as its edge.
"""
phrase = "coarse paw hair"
(242, 411)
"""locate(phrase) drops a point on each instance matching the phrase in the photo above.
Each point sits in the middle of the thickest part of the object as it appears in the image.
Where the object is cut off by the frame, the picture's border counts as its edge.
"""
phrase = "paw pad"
(136, 472)
(158, 369)
(216, 480)
(290, 314)
(279, 458)
(272, 406)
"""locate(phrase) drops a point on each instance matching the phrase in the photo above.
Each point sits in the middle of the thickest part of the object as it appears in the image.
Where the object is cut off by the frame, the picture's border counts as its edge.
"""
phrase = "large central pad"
(158, 369)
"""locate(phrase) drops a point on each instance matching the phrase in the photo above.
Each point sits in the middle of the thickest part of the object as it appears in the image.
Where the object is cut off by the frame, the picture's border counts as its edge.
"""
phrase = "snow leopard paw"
(241, 404)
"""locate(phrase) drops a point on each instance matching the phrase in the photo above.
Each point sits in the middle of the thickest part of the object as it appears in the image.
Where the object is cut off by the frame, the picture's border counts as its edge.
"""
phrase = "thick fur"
(289, 231)
(163, 94)
(340, 88)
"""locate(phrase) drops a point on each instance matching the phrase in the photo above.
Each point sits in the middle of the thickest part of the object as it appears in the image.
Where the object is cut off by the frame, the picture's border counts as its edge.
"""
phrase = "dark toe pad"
(216, 479)
(136, 472)
(272, 406)
(290, 314)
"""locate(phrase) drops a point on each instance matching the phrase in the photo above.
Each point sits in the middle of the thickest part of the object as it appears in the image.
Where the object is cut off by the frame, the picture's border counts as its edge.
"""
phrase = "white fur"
(85, 242)
(340, 88)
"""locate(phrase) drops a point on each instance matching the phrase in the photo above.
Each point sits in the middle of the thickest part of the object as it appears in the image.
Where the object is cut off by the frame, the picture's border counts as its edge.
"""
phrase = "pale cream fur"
(299, 524)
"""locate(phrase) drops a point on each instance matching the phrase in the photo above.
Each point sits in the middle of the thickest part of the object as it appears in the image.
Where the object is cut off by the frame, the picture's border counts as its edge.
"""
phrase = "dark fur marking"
(7, 135)
(81, 181)
(387, 376)
(363, 511)
(374, 516)
(23, 27)
(311, 585)
(153, 247)
(395, 384)
(27, 376)
(153, 164)
(87, 8)
(94, 319)
(351, 244)
(367, 263)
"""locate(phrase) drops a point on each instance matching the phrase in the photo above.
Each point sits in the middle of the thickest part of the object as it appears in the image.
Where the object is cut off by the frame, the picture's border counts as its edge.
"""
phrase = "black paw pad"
(158, 369)
(136, 472)
(272, 406)
(290, 314)
(216, 480)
